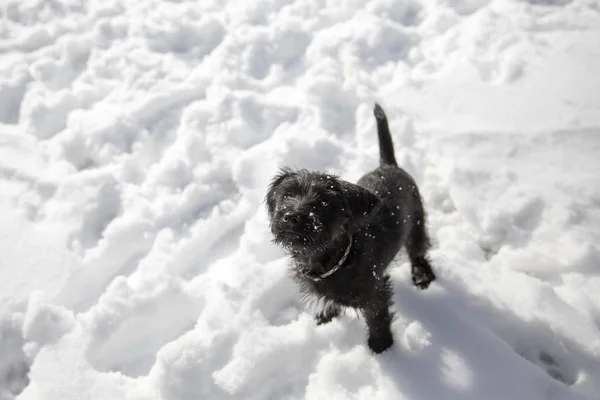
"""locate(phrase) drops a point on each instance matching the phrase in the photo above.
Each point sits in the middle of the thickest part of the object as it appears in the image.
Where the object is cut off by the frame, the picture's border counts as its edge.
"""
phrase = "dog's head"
(311, 211)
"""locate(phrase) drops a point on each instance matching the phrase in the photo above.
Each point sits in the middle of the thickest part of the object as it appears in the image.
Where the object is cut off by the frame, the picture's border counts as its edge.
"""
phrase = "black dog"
(343, 236)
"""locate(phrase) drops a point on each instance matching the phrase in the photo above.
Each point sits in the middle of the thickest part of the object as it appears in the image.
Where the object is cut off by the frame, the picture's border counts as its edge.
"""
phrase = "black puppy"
(343, 236)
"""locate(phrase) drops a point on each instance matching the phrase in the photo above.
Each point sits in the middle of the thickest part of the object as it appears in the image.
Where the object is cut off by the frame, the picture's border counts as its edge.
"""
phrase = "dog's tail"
(386, 147)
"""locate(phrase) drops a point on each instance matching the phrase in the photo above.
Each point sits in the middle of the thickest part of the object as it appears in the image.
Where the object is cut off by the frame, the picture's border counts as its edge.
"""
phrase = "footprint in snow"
(558, 368)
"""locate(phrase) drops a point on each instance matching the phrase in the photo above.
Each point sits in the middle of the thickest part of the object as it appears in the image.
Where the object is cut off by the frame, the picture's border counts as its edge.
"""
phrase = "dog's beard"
(307, 242)
(298, 242)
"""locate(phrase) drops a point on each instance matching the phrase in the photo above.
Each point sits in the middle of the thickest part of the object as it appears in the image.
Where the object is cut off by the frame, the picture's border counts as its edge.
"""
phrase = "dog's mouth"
(295, 241)
(289, 237)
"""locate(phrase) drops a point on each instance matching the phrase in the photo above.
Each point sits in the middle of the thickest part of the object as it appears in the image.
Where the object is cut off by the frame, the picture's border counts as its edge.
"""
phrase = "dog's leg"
(378, 317)
(417, 247)
(327, 314)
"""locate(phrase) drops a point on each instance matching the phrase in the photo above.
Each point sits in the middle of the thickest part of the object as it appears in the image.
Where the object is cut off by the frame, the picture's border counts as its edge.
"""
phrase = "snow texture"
(137, 138)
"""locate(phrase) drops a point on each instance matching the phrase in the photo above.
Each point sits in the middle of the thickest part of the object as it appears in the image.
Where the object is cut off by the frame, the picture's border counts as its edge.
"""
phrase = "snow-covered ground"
(136, 142)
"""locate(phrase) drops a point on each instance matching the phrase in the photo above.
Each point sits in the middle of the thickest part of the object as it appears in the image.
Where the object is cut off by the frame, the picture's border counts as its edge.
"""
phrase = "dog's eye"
(325, 204)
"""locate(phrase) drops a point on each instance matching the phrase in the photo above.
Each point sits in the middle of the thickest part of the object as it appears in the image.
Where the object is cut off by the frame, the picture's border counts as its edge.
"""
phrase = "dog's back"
(401, 219)
(400, 201)
(389, 182)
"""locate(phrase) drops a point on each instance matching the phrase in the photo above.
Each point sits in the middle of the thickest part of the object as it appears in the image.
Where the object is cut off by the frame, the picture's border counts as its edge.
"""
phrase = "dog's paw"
(422, 279)
(381, 343)
(323, 318)
(327, 315)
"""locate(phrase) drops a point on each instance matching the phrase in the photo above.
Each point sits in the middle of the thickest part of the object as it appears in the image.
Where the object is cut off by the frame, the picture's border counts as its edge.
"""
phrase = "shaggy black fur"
(316, 217)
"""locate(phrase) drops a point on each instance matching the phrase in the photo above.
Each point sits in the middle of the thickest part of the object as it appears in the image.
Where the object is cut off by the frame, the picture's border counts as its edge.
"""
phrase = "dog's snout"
(291, 218)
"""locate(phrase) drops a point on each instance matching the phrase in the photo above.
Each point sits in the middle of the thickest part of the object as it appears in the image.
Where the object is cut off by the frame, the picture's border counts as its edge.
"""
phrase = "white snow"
(136, 142)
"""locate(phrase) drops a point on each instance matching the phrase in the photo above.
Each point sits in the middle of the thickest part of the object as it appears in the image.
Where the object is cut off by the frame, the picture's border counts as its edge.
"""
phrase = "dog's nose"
(291, 218)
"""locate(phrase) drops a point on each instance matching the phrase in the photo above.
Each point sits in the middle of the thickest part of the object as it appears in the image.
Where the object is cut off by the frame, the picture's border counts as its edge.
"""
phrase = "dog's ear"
(360, 201)
(284, 173)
